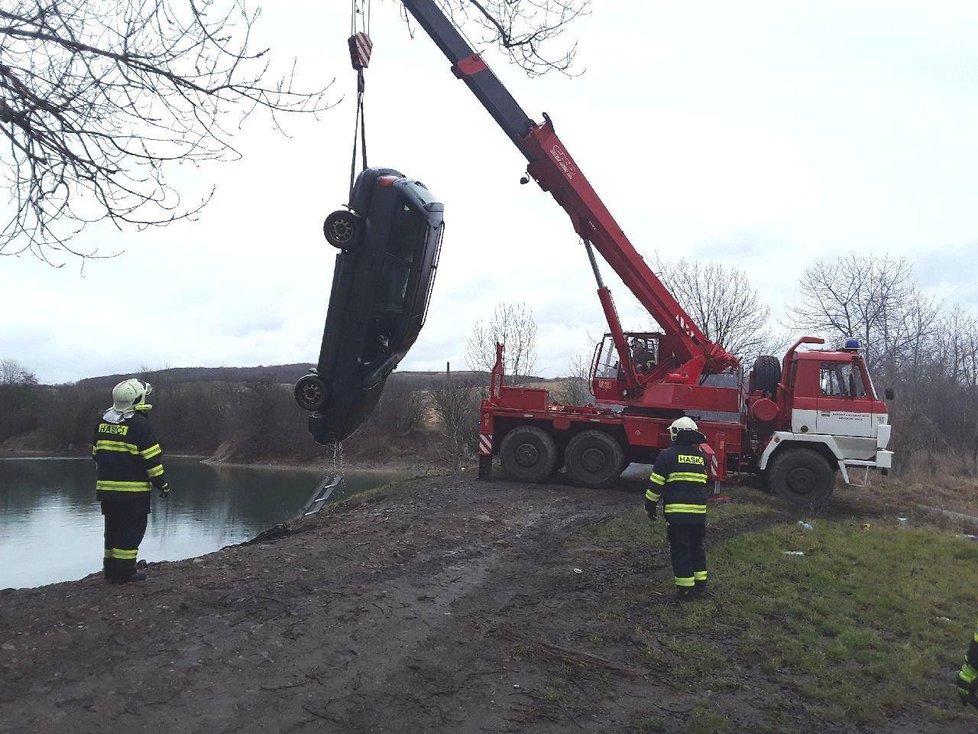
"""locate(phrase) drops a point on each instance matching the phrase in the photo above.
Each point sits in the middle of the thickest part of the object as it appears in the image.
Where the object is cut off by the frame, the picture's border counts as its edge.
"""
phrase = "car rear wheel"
(594, 458)
(343, 229)
(528, 454)
(311, 392)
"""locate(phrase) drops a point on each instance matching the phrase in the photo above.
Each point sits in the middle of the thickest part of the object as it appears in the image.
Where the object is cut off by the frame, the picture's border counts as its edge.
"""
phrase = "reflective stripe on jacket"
(130, 461)
(968, 677)
(680, 472)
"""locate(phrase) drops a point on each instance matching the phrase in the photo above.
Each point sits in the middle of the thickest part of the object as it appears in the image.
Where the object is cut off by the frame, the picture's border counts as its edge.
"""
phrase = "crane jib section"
(554, 169)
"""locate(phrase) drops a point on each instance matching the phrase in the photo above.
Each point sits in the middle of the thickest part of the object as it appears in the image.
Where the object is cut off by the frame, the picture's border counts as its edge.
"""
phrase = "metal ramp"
(324, 489)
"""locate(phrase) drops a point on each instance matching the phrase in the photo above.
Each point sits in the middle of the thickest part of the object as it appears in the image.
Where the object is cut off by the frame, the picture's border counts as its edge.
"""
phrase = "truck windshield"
(842, 379)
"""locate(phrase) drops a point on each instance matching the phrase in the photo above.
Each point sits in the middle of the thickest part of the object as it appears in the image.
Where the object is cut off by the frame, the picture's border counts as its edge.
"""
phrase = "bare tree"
(514, 326)
(860, 296)
(13, 372)
(401, 410)
(576, 389)
(457, 404)
(723, 302)
(99, 98)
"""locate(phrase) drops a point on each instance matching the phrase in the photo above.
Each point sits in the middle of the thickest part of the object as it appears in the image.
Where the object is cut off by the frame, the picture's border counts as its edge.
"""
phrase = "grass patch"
(864, 622)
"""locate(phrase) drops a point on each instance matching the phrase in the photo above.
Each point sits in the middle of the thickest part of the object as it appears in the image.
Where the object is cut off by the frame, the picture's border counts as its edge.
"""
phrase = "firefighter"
(679, 477)
(968, 677)
(130, 465)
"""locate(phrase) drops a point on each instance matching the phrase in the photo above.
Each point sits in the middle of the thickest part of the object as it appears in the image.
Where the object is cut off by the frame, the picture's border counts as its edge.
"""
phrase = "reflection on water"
(51, 526)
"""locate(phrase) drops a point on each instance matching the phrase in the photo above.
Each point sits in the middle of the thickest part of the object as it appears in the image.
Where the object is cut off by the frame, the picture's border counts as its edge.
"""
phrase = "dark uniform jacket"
(130, 461)
(679, 477)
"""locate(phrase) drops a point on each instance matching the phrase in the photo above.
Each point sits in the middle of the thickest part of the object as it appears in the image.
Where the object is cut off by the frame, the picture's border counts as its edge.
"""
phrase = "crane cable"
(360, 46)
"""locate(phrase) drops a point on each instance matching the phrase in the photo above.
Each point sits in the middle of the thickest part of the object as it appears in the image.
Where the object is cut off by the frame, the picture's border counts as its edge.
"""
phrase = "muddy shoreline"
(442, 604)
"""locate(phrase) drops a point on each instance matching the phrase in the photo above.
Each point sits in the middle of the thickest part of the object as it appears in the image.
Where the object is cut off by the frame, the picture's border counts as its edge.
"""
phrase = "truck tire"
(343, 229)
(528, 454)
(803, 477)
(766, 374)
(310, 392)
(594, 459)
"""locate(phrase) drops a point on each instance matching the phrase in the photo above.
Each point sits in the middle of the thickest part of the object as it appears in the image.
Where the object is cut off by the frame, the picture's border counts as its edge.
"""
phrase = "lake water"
(51, 526)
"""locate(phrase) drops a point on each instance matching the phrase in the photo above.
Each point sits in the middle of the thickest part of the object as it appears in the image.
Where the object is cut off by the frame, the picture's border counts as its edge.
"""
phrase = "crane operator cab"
(607, 371)
(389, 241)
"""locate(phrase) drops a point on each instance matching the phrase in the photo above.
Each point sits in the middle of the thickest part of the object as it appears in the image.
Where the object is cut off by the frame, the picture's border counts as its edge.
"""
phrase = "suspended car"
(389, 240)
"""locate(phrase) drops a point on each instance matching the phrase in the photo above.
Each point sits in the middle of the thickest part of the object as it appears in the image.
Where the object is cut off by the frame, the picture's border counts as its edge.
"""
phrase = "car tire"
(594, 458)
(528, 454)
(802, 477)
(344, 229)
(311, 392)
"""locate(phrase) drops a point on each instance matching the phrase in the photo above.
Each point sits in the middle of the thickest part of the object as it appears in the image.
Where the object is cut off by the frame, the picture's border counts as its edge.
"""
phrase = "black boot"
(684, 594)
(699, 590)
(125, 572)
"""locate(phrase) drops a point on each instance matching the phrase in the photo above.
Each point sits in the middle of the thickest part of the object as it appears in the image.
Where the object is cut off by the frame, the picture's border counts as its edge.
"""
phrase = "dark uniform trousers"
(125, 526)
(688, 554)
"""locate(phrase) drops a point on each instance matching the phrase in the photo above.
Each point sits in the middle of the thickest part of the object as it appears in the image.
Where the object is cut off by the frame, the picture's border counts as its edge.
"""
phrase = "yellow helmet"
(130, 395)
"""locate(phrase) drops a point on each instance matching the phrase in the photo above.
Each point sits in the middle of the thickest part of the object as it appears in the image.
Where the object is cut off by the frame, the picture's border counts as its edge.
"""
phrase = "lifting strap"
(360, 47)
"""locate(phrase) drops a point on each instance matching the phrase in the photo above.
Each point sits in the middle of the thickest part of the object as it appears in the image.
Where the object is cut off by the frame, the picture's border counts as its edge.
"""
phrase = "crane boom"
(553, 168)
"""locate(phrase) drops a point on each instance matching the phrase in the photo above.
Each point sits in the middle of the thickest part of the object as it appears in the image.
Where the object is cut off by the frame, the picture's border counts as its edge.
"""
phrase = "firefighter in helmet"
(679, 478)
(130, 466)
(968, 677)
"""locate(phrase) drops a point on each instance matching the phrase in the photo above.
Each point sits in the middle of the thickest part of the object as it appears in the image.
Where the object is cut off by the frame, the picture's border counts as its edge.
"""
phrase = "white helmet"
(130, 395)
(681, 424)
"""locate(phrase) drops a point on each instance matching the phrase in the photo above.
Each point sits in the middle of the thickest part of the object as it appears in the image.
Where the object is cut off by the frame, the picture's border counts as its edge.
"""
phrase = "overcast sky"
(757, 134)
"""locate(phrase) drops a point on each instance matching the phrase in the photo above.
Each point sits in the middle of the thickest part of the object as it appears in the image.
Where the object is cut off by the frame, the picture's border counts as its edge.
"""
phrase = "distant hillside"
(282, 374)
(179, 375)
(248, 414)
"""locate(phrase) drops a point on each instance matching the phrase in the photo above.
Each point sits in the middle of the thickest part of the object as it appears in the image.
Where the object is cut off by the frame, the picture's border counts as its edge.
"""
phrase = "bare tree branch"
(723, 302)
(99, 99)
(530, 32)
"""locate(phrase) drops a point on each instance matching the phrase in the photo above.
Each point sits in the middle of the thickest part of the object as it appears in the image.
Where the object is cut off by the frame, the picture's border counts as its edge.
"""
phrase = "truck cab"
(829, 418)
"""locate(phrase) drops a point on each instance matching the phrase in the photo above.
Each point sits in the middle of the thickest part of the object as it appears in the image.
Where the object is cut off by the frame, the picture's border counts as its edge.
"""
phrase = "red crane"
(796, 422)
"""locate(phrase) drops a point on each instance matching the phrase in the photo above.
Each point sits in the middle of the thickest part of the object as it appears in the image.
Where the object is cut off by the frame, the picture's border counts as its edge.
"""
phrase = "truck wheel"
(343, 229)
(310, 392)
(594, 458)
(528, 454)
(766, 375)
(802, 477)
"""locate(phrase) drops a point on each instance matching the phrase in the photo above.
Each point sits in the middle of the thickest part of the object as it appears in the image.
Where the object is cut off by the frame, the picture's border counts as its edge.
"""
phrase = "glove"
(651, 514)
(164, 490)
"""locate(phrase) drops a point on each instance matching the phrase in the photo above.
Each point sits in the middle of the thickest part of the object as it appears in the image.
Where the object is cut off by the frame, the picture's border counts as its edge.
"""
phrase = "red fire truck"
(796, 422)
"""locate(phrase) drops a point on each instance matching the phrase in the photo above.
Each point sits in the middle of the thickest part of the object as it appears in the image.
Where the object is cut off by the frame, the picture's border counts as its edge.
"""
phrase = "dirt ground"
(446, 605)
